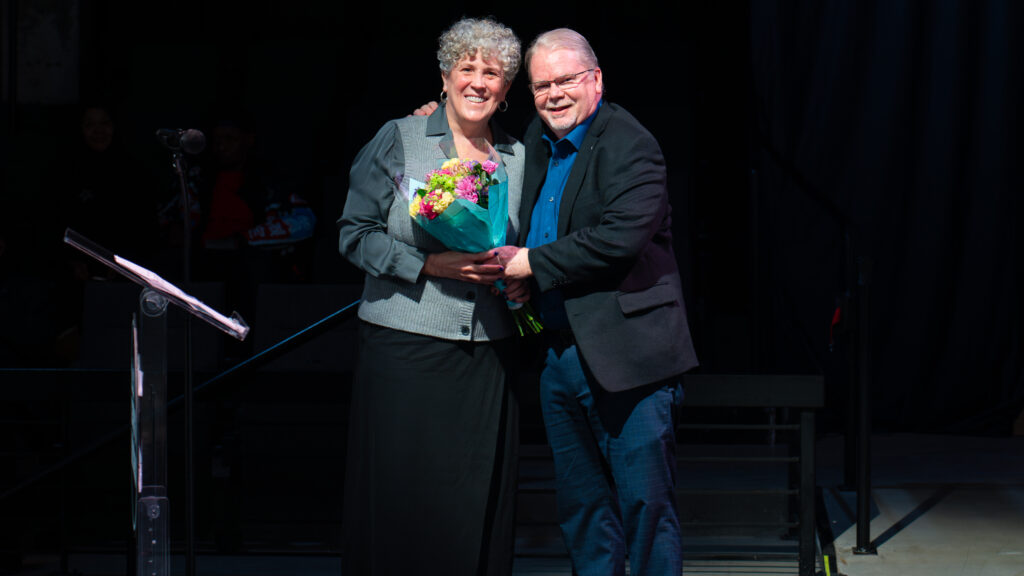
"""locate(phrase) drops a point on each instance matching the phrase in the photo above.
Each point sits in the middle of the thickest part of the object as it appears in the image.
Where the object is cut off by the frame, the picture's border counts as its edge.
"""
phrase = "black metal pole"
(12, 69)
(850, 350)
(186, 251)
(807, 490)
(65, 420)
(864, 545)
(190, 537)
(190, 551)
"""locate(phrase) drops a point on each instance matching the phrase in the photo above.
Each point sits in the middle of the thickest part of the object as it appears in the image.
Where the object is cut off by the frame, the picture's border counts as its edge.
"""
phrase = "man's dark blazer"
(613, 259)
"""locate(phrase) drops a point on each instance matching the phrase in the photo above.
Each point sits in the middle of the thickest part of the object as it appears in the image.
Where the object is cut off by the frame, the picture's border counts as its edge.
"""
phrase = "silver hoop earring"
(503, 103)
(444, 97)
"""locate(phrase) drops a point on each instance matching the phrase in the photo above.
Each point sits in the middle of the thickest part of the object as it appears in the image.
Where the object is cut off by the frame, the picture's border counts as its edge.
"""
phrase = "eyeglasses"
(564, 83)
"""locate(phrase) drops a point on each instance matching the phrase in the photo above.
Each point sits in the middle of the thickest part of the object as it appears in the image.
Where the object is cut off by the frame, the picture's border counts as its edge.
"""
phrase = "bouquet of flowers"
(459, 194)
(464, 204)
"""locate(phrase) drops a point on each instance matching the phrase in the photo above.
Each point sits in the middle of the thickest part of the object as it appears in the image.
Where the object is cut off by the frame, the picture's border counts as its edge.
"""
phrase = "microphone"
(191, 141)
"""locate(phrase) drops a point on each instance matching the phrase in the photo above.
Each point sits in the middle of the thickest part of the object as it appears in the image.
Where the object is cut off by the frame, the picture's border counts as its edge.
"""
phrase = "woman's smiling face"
(475, 87)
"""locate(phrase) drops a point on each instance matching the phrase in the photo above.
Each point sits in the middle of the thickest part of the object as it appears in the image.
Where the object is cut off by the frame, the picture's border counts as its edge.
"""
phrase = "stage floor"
(941, 506)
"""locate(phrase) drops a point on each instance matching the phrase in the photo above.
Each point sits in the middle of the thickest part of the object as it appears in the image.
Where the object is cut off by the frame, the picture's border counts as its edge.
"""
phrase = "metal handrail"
(255, 361)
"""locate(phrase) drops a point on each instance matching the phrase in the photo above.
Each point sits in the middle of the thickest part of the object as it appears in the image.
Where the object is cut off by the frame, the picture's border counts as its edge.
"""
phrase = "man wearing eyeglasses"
(597, 224)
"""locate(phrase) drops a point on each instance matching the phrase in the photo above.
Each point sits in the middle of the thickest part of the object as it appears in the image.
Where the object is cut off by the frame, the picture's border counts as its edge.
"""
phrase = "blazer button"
(464, 330)
(471, 295)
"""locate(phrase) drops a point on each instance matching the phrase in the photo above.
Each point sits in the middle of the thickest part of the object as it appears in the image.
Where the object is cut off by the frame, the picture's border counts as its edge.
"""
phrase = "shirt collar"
(578, 133)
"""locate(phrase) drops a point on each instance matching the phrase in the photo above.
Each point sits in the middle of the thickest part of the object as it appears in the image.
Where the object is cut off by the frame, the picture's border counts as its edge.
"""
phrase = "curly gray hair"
(495, 41)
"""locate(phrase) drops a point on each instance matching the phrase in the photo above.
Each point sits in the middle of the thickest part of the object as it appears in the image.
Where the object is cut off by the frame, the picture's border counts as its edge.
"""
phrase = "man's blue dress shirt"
(544, 220)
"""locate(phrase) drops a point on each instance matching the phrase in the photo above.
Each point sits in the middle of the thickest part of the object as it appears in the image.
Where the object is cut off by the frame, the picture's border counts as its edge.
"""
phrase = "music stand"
(149, 398)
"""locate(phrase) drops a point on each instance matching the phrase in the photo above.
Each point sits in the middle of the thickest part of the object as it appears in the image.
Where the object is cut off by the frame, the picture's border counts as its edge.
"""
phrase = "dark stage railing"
(255, 362)
(802, 393)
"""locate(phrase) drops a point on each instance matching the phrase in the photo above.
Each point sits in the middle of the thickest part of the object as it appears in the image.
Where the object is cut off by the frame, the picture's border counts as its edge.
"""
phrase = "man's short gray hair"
(563, 38)
(493, 40)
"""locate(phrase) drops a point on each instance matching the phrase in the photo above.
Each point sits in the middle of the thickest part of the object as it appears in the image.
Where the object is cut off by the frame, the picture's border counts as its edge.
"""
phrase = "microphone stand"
(190, 552)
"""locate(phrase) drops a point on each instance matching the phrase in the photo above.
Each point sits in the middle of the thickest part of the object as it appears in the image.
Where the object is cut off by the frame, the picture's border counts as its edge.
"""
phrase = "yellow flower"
(414, 207)
(450, 164)
(443, 201)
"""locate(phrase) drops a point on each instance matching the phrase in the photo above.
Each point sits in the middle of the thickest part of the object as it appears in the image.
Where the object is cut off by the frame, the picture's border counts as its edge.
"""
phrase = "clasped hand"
(479, 268)
(515, 260)
(483, 268)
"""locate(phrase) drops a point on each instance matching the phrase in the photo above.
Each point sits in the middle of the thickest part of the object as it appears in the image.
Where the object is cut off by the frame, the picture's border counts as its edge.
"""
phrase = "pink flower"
(427, 210)
(467, 188)
(489, 166)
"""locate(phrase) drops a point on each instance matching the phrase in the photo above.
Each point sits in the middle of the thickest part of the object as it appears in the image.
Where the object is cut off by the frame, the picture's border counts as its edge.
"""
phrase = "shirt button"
(470, 295)
(545, 234)
(551, 199)
(464, 330)
(555, 162)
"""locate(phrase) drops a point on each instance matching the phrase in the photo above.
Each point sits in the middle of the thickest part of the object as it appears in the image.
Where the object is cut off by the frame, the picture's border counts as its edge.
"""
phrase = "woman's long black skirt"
(431, 463)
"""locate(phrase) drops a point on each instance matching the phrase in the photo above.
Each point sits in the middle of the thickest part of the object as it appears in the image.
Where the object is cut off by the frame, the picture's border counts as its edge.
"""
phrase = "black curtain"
(894, 126)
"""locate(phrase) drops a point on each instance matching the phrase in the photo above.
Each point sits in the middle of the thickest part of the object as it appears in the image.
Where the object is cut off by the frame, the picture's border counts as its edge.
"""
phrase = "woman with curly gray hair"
(430, 475)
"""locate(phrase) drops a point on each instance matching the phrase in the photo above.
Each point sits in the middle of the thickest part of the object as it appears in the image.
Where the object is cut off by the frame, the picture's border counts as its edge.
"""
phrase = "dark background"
(801, 138)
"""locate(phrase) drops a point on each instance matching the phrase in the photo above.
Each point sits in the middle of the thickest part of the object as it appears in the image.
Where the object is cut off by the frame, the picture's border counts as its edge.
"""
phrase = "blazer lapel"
(579, 168)
(536, 167)
(437, 130)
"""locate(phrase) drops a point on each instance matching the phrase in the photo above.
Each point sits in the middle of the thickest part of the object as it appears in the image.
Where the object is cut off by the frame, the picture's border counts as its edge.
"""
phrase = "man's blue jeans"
(615, 464)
